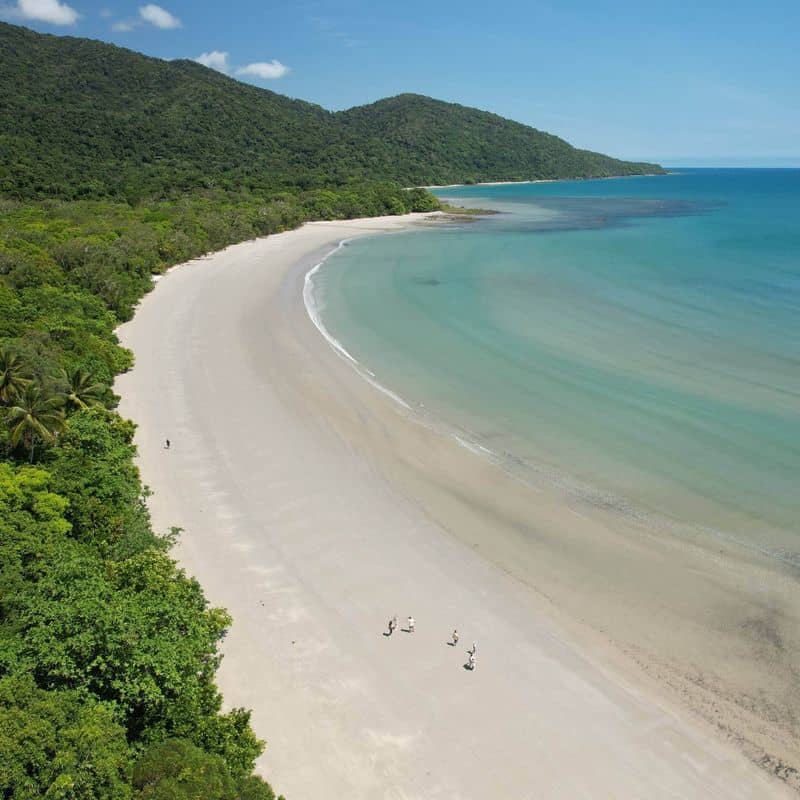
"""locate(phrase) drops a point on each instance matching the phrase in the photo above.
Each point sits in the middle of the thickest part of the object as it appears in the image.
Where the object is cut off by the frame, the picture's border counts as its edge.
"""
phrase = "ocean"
(633, 342)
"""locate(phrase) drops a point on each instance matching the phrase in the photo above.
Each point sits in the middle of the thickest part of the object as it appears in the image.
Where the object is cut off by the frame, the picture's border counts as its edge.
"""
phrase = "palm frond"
(13, 376)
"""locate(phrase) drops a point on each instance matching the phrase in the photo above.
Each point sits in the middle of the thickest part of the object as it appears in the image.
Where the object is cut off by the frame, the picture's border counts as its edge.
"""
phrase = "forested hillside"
(424, 142)
(81, 118)
(85, 119)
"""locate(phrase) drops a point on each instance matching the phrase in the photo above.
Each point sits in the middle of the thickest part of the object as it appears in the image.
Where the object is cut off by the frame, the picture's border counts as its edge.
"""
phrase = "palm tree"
(78, 389)
(34, 416)
(12, 376)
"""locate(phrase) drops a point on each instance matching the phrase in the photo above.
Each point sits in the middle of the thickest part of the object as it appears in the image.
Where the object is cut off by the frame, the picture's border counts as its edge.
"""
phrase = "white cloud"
(124, 25)
(219, 60)
(264, 69)
(216, 59)
(51, 11)
(158, 16)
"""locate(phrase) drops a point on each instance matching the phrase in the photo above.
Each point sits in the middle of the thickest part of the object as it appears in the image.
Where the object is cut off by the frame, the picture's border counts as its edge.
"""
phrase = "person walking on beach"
(455, 638)
(412, 624)
(392, 624)
(166, 445)
(474, 649)
(472, 661)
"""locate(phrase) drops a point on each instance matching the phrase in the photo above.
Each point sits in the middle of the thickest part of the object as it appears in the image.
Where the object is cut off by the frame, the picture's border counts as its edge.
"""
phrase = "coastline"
(317, 509)
(543, 180)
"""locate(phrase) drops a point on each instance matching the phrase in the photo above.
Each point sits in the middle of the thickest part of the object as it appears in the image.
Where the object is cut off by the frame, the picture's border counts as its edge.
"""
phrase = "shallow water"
(634, 341)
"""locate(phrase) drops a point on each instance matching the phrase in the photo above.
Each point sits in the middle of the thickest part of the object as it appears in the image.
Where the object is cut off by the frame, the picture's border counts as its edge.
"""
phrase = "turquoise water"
(634, 341)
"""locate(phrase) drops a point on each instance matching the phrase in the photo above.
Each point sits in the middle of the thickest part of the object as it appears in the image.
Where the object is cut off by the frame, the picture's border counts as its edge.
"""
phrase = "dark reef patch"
(588, 213)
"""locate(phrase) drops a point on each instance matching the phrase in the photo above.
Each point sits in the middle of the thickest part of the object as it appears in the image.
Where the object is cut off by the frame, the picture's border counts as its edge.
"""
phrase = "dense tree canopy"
(422, 141)
(102, 638)
(59, 745)
(85, 119)
(177, 770)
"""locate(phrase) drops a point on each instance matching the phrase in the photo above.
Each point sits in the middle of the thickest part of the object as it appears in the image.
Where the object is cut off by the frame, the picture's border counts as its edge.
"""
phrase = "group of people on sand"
(411, 626)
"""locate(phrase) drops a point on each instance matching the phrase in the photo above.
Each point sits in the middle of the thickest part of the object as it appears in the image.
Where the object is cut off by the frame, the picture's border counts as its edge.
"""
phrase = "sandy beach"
(315, 508)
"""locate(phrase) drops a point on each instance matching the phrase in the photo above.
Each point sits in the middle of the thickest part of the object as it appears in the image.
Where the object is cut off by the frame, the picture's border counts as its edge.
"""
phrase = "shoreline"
(338, 347)
(563, 482)
(544, 180)
(318, 509)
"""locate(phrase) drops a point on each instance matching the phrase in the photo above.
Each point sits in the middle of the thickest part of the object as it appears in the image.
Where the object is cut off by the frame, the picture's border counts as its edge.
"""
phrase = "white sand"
(281, 472)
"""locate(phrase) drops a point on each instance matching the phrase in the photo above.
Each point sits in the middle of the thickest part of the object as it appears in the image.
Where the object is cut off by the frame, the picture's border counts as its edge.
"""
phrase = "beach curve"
(283, 471)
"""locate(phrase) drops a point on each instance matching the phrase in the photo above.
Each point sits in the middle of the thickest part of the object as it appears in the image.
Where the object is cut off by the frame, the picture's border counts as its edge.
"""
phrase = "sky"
(682, 83)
